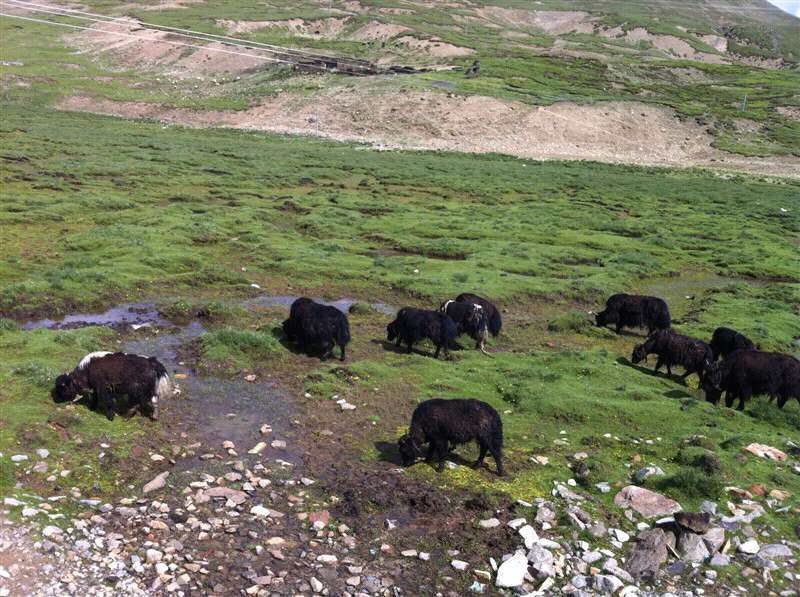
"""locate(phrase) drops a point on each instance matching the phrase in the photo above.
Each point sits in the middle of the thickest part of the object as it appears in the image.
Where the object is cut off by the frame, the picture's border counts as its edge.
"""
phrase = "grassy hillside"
(667, 54)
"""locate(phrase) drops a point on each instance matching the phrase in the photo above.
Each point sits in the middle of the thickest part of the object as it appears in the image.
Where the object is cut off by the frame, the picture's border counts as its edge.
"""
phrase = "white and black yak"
(470, 319)
(316, 327)
(493, 320)
(693, 355)
(441, 423)
(725, 341)
(633, 311)
(747, 373)
(414, 325)
(116, 380)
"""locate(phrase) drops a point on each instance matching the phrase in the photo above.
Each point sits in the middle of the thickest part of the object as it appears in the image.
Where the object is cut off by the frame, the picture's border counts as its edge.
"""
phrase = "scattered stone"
(42, 452)
(489, 523)
(153, 556)
(646, 472)
(647, 503)
(157, 483)
(278, 443)
(714, 538)
(696, 522)
(648, 554)
(327, 559)
(692, 547)
(775, 551)
(258, 448)
(459, 565)
(235, 496)
(749, 547)
(52, 532)
(19, 458)
(765, 451)
(529, 535)
(511, 573)
(718, 560)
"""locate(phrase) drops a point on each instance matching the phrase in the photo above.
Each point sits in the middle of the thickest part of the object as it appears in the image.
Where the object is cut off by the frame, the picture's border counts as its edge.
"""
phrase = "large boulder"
(692, 547)
(648, 554)
(647, 503)
(511, 573)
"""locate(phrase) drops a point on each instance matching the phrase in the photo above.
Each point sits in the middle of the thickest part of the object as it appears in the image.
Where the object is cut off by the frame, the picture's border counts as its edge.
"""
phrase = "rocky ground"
(230, 519)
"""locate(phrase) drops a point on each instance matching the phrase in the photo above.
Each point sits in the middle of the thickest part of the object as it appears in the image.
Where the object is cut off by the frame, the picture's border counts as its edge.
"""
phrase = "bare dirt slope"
(613, 132)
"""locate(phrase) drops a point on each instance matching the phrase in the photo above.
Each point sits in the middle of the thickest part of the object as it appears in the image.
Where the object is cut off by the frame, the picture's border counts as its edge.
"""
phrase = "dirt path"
(613, 132)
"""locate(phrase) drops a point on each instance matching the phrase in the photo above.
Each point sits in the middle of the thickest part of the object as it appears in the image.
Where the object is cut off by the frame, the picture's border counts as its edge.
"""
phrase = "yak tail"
(495, 322)
(342, 331)
(163, 382)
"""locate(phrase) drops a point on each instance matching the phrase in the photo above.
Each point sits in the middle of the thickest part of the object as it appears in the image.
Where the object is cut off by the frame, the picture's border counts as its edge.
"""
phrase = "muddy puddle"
(128, 314)
(208, 409)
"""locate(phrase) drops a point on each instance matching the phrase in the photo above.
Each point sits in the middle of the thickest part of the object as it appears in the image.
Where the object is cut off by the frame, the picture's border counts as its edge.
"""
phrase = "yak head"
(639, 354)
(409, 450)
(602, 319)
(65, 389)
(391, 331)
(711, 383)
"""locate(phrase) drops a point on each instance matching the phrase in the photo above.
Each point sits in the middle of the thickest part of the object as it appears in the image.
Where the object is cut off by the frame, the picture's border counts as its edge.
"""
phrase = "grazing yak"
(493, 320)
(693, 355)
(745, 373)
(316, 327)
(632, 310)
(111, 376)
(414, 325)
(725, 341)
(470, 319)
(442, 423)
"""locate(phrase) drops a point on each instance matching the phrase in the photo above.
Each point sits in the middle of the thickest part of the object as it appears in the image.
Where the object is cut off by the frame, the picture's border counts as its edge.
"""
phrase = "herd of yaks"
(743, 371)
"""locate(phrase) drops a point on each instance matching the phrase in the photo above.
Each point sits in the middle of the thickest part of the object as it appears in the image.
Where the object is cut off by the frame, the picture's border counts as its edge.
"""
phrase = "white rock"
(51, 531)
(516, 523)
(327, 559)
(42, 452)
(511, 573)
(157, 483)
(9, 501)
(749, 547)
(459, 565)
(19, 458)
(489, 523)
(529, 535)
(260, 510)
(258, 448)
(153, 556)
(621, 535)
(316, 585)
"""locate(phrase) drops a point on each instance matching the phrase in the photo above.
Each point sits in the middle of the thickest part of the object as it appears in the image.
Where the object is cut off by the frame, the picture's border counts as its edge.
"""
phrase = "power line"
(184, 32)
(165, 41)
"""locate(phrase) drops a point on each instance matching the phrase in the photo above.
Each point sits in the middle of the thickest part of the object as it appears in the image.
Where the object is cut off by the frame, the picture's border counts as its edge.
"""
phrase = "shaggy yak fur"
(316, 327)
(414, 325)
(632, 311)
(111, 376)
(442, 423)
(470, 319)
(675, 349)
(493, 320)
(746, 373)
(725, 341)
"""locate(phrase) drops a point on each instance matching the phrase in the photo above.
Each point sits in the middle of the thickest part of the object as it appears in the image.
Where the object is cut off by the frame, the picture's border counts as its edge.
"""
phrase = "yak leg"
(482, 455)
(431, 452)
(107, 403)
(659, 362)
(342, 357)
(441, 453)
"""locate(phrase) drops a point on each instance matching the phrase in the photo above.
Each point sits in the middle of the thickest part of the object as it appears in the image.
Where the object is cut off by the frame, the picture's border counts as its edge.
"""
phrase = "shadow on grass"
(388, 452)
(647, 370)
(294, 348)
(402, 349)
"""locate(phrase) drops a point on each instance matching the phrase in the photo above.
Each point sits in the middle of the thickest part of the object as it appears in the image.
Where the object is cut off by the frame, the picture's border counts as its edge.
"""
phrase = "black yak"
(470, 319)
(633, 310)
(693, 355)
(493, 320)
(414, 325)
(111, 376)
(746, 373)
(725, 341)
(442, 423)
(316, 327)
